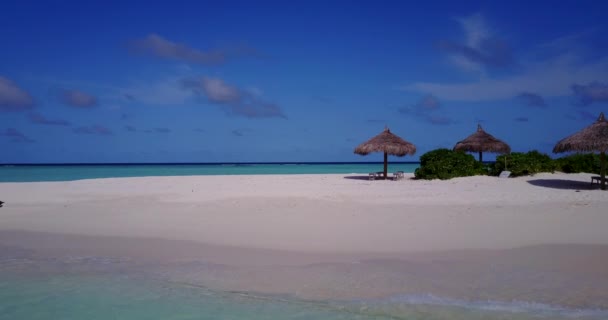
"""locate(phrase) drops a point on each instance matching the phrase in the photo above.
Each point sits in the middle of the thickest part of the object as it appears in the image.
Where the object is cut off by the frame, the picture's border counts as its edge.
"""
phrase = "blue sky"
(292, 81)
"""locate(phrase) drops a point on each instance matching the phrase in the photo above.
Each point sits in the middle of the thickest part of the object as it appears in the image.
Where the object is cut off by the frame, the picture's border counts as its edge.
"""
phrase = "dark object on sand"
(1, 204)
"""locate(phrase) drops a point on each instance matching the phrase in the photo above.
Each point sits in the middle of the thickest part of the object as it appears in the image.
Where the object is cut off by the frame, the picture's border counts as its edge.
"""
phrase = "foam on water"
(532, 308)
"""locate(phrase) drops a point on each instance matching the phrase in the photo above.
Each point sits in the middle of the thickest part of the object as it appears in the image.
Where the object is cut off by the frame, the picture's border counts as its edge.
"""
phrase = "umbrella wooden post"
(603, 170)
(385, 165)
(480, 157)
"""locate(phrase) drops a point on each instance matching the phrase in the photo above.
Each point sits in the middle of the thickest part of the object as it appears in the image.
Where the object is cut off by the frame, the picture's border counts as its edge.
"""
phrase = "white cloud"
(16, 135)
(166, 91)
(77, 99)
(219, 91)
(475, 29)
(590, 93)
(549, 69)
(480, 48)
(427, 109)
(232, 99)
(13, 98)
(156, 45)
(550, 79)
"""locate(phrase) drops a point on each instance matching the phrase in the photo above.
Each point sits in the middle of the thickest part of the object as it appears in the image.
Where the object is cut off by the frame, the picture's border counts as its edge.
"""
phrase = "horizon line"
(200, 163)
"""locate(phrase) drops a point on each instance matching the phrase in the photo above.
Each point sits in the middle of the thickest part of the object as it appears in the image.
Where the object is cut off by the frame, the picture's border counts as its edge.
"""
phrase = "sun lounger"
(398, 175)
(376, 175)
(598, 179)
(505, 174)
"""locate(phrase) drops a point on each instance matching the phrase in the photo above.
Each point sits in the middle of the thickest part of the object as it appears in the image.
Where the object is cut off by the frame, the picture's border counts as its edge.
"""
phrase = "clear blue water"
(25, 173)
(122, 296)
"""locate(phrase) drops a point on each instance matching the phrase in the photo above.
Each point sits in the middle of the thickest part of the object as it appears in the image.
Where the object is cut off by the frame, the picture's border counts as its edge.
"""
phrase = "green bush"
(589, 163)
(446, 164)
(522, 164)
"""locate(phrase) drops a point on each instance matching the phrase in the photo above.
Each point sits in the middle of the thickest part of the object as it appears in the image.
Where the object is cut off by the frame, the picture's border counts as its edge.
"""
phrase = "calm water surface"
(133, 297)
(24, 173)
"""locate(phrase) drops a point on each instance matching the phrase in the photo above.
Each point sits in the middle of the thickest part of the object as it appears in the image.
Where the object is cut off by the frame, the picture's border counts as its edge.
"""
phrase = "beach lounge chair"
(505, 174)
(376, 175)
(598, 179)
(398, 175)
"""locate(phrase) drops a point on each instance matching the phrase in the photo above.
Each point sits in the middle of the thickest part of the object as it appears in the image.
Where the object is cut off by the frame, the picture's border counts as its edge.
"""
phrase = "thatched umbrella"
(389, 144)
(592, 138)
(482, 141)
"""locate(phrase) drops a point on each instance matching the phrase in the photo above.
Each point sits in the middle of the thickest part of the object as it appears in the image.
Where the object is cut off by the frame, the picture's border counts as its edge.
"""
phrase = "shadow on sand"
(390, 178)
(563, 184)
(361, 178)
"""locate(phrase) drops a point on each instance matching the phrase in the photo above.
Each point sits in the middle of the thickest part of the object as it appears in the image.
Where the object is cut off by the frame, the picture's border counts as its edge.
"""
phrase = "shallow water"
(18, 173)
(38, 283)
(123, 295)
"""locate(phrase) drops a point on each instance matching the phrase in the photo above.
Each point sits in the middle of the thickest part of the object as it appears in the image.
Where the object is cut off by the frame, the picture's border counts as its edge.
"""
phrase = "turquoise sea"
(133, 297)
(30, 173)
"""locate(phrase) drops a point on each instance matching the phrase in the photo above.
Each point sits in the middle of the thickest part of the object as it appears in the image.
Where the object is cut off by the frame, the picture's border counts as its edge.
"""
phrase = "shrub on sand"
(589, 163)
(446, 164)
(522, 164)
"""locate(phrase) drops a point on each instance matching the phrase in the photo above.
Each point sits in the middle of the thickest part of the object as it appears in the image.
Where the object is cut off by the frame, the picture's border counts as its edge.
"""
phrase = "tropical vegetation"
(446, 164)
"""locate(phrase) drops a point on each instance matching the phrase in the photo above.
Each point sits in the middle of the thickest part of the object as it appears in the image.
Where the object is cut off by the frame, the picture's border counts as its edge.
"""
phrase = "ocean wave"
(527, 307)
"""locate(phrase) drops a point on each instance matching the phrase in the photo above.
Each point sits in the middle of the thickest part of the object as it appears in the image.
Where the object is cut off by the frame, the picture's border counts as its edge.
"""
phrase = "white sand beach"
(479, 227)
(318, 213)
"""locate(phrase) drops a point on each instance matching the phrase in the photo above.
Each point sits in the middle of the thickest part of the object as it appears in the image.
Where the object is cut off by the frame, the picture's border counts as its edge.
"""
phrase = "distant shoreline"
(200, 163)
(73, 172)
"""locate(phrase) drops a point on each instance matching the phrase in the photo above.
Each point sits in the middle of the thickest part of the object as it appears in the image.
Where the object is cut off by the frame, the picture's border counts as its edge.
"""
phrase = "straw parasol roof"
(591, 138)
(388, 143)
(481, 141)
